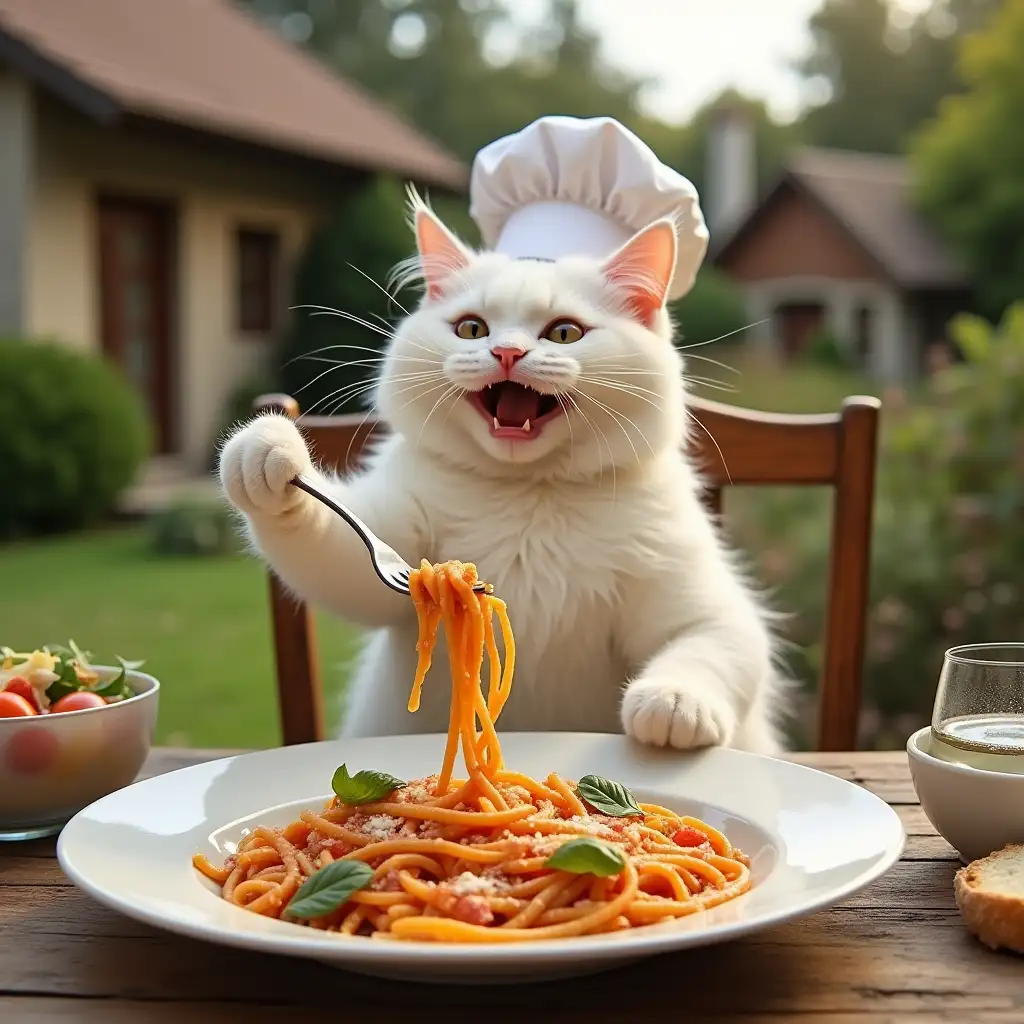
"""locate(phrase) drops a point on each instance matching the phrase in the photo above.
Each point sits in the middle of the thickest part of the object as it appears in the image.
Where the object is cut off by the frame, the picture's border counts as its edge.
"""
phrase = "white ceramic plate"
(813, 840)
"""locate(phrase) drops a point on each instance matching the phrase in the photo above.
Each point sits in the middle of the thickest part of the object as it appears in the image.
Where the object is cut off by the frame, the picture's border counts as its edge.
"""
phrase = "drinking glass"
(978, 717)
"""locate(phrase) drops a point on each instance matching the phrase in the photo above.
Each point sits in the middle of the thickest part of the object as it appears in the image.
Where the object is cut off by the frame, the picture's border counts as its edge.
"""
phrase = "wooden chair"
(836, 450)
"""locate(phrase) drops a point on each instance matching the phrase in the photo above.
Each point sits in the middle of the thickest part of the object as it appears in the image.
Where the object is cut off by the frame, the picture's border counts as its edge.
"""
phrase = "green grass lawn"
(755, 383)
(202, 624)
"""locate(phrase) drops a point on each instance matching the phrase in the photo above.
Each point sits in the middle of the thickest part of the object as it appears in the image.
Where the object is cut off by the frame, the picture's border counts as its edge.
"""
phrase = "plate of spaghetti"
(469, 856)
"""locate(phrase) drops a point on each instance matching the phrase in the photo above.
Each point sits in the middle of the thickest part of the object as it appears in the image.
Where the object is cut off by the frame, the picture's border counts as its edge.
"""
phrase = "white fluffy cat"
(538, 416)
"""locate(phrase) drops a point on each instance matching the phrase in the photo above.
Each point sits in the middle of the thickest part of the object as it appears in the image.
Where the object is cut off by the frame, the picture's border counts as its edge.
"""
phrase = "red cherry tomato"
(31, 750)
(23, 688)
(13, 705)
(687, 836)
(78, 701)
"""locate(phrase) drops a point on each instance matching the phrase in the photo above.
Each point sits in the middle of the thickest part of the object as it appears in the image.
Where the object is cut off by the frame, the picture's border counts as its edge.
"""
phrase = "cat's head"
(566, 367)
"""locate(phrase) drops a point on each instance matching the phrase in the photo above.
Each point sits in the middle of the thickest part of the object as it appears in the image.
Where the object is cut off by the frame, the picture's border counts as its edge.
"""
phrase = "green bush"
(194, 528)
(713, 308)
(827, 352)
(369, 232)
(73, 434)
(948, 545)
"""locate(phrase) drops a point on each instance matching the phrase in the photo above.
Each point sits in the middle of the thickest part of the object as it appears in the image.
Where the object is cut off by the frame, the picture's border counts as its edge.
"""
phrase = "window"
(257, 254)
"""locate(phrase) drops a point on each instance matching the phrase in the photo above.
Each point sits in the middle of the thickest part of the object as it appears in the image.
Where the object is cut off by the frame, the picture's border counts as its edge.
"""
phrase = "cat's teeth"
(496, 423)
(526, 426)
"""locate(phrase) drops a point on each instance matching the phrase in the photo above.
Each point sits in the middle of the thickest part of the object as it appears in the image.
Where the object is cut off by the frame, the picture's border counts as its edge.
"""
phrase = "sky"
(698, 47)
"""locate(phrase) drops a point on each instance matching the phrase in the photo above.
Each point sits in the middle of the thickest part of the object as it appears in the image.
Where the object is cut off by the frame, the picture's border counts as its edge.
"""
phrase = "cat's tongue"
(516, 404)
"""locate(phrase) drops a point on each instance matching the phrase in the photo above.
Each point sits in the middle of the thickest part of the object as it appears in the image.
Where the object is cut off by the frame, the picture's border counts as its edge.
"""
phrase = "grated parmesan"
(379, 826)
(467, 883)
(588, 825)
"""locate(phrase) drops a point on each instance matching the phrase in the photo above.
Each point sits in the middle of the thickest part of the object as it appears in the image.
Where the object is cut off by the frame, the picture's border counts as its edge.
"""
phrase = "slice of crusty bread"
(990, 895)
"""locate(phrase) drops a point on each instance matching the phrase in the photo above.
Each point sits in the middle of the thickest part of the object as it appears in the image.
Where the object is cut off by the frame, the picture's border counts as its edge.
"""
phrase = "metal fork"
(392, 569)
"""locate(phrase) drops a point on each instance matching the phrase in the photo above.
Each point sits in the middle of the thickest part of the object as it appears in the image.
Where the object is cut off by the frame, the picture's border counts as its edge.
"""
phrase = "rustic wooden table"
(896, 952)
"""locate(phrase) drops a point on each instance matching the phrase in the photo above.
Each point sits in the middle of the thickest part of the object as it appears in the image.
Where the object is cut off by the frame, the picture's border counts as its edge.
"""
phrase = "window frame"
(267, 244)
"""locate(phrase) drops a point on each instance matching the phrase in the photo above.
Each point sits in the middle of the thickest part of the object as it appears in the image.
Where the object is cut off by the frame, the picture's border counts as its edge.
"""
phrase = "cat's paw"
(258, 463)
(664, 713)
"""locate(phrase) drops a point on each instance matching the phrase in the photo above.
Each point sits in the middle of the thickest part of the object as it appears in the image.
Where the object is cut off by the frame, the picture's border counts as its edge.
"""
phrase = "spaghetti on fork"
(496, 856)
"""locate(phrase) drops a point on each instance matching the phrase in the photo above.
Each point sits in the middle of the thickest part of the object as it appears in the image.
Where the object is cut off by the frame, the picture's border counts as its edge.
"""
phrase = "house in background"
(161, 166)
(835, 244)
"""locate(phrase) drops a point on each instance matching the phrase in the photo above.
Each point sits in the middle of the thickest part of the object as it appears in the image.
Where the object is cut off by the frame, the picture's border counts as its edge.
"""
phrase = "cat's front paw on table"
(258, 463)
(670, 714)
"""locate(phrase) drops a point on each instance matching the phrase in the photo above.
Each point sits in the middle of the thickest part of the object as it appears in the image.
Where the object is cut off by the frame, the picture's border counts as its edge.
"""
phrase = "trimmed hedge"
(73, 434)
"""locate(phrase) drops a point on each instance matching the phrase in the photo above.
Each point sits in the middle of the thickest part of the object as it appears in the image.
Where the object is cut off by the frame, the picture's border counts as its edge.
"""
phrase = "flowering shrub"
(948, 550)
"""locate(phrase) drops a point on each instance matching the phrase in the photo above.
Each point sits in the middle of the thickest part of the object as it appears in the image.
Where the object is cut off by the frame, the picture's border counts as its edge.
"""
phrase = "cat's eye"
(564, 332)
(470, 327)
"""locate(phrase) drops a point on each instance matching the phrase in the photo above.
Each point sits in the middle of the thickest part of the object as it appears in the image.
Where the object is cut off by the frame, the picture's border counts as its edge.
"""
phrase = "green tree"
(463, 72)
(969, 163)
(864, 77)
(329, 356)
(883, 72)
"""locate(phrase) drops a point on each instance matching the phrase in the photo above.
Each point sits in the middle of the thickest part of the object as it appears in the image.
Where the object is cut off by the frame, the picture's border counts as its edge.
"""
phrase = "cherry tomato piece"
(13, 705)
(31, 750)
(687, 836)
(78, 701)
(23, 688)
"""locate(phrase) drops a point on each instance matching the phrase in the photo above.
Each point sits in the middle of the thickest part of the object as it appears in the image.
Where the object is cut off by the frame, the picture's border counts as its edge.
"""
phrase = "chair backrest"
(836, 450)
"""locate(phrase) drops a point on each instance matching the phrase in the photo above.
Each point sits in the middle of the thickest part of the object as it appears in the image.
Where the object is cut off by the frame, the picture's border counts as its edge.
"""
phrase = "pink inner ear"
(440, 252)
(643, 267)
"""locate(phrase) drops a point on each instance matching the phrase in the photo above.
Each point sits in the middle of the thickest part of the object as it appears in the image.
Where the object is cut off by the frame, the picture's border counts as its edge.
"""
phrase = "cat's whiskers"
(401, 378)
(722, 337)
(620, 372)
(629, 389)
(362, 423)
(381, 288)
(376, 353)
(716, 362)
(330, 369)
(415, 398)
(710, 382)
(616, 418)
(373, 385)
(389, 334)
(356, 383)
(567, 395)
(711, 438)
(354, 388)
(453, 389)
(568, 422)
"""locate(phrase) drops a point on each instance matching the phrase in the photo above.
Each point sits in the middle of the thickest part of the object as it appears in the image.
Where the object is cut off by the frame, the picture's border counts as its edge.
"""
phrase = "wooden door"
(136, 262)
(798, 323)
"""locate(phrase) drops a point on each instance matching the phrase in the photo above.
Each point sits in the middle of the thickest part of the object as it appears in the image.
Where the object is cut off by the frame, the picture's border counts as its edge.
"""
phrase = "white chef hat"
(565, 186)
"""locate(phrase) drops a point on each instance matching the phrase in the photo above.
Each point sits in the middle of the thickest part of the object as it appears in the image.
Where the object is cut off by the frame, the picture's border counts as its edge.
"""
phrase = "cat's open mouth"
(513, 411)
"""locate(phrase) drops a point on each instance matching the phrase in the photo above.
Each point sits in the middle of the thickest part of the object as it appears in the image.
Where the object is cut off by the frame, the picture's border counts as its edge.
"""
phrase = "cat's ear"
(643, 269)
(441, 253)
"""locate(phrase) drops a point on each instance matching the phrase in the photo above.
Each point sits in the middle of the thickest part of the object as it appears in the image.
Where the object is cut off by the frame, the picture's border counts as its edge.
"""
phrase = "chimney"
(731, 185)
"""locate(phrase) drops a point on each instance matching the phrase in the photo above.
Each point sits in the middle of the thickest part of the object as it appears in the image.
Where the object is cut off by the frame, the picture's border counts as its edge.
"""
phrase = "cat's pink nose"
(508, 356)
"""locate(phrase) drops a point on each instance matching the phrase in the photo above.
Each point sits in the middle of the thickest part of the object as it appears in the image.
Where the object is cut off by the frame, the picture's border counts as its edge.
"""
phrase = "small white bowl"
(51, 766)
(974, 810)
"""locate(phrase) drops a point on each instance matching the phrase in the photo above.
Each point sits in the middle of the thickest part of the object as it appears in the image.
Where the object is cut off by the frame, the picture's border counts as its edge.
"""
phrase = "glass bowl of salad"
(70, 732)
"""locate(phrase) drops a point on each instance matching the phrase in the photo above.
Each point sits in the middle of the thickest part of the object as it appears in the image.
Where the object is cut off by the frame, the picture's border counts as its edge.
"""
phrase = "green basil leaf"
(588, 856)
(117, 688)
(364, 787)
(67, 680)
(607, 797)
(328, 888)
(82, 657)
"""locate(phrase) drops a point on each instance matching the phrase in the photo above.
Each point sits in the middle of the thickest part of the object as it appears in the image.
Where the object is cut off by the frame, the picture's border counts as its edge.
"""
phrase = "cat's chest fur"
(555, 553)
(558, 554)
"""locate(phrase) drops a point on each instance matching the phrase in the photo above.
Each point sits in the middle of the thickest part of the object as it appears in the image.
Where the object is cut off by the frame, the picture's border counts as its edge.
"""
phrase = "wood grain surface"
(896, 952)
